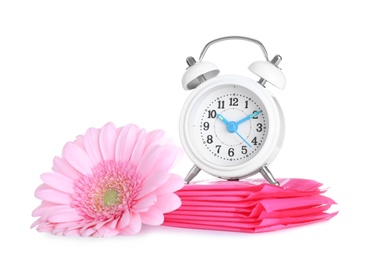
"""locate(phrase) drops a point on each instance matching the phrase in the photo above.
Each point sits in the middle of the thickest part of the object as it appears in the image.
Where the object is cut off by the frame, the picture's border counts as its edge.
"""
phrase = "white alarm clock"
(231, 126)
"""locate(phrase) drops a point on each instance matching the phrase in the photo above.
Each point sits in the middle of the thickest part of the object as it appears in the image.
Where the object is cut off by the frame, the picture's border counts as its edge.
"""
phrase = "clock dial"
(229, 125)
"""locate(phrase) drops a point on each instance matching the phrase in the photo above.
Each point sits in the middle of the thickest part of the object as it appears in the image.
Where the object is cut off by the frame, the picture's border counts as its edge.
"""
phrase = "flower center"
(109, 191)
(110, 198)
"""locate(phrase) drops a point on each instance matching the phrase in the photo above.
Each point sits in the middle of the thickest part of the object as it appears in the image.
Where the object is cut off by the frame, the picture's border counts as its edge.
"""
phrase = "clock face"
(228, 125)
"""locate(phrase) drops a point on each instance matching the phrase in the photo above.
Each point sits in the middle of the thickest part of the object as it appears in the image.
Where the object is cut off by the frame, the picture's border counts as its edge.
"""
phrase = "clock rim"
(264, 156)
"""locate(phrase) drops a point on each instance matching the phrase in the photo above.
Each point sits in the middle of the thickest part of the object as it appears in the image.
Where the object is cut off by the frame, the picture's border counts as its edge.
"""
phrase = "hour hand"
(256, 113)
(221, 118)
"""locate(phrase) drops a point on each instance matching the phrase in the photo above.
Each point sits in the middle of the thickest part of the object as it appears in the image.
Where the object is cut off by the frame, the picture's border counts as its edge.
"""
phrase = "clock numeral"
(218, 147)
(246, 104)
(220, 104)
(259, 127)
(209, 139)
(244, 149)
(255, 117)
(234, 102)
(211, 114)
(231, 152)
(206, 126)
(254, 141)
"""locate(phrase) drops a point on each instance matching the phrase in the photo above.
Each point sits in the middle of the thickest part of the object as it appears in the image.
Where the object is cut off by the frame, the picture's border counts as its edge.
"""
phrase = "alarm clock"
(231, 126)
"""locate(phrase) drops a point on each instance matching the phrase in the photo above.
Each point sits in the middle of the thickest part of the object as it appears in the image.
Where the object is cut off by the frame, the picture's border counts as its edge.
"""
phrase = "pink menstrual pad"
(250, 205)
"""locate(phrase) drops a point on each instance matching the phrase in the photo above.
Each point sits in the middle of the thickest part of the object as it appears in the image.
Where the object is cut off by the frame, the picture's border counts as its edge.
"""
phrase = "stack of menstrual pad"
(250, 205)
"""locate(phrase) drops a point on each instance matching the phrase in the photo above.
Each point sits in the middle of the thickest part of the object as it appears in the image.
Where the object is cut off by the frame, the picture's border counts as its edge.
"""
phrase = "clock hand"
(224, 120)
(232, 127)
(248, 117)
(245, 141)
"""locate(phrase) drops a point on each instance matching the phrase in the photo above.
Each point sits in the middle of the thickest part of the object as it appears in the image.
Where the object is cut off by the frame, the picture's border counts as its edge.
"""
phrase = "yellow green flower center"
(110, 198)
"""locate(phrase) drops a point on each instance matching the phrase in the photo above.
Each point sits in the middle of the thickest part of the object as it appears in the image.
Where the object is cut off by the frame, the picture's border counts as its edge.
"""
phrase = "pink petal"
(113, 224)
(45, 227)
(65, 215)
(36, 223)
(53, 196)
(42, 208)
(71, 233)
(92, 146)
(174, 183)
(152, 183)
(46, 212)
(144, 203)
(107, 141)
(42, 187)
(58, 181)
(80, 141)
(151, 156)
(87, 232)
(139, 147)
(125, 143)
(107, 232)
(157, 137)
(62, 166)
(152, 217)
(77, 157)
(134, 226)
(159, 161)
(69, 225)
(124, 220)
(168, 202)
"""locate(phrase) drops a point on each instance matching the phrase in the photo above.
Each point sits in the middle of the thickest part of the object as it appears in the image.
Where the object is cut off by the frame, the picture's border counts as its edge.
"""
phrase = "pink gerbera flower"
(108, 182)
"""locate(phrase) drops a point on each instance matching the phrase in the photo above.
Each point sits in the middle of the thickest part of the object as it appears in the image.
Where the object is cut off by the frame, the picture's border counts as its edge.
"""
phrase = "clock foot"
(268, 176)
(192, 173)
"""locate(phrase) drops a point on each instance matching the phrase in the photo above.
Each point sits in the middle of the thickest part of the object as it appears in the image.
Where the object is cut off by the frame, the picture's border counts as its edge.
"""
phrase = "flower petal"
(106, 232)
(174, 183)
(92, 146)
(144, 203)
(53, 196)
(156, 161)
(149, 159)
(45, 205)
(72, 233)
(139, 147)
(168, 202)
(152, 183)
(42, 187)
(46, 212)
(107, 141)
(125, 143)
(87, 232)
(152, 217)
(77, 157)
(62, 166)
(46, 227)
(157, 137)
(124, 220)
(134, 226)
(65, 215)
(113, 224)
(80, 141)
(58, 181)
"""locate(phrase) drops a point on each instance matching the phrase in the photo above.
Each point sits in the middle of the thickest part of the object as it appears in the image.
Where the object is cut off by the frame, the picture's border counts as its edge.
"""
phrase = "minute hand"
(248, 117)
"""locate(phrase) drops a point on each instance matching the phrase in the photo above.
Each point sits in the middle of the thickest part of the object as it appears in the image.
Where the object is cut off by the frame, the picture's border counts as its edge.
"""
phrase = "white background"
(66, 66)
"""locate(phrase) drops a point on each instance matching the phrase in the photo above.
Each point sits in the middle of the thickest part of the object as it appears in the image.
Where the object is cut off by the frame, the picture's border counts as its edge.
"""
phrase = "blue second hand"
(245, 141)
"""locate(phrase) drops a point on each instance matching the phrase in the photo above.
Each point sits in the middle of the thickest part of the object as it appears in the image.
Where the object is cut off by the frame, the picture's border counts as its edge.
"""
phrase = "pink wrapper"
(250, 206)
